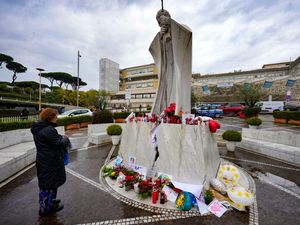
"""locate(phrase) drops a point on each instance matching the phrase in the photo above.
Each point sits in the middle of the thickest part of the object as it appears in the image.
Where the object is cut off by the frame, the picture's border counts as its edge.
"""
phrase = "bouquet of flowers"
(130, 180)
(169, 115)
(145, 188)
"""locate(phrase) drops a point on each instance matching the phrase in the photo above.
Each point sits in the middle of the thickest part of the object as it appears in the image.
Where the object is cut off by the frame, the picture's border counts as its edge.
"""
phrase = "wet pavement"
(85, 201)
(236, 123)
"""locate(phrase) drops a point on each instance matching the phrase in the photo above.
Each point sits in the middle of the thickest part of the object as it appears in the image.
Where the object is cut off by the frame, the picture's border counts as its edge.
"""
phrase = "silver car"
(76, 112)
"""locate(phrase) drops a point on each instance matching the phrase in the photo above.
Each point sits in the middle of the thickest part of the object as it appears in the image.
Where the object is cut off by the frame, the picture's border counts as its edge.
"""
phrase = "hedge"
(104, 116)
(293, 115)
(121, 115)
(250, 112)
(73, 120)
(281, 114)
(6, 126)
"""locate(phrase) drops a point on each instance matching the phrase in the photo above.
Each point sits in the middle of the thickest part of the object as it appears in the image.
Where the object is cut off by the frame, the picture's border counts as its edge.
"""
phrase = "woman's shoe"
(55, 201)
(54, 209)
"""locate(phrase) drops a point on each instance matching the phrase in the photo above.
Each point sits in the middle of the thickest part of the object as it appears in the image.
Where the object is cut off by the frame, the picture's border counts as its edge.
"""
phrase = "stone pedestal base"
(188, 153)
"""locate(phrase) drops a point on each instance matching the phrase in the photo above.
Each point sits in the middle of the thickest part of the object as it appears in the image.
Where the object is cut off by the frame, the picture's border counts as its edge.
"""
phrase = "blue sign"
(290, 83)
(268, 84)
(205, 88)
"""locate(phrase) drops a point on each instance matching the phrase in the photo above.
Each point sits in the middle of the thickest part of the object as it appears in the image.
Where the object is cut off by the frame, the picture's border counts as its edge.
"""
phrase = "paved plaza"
(87, 201)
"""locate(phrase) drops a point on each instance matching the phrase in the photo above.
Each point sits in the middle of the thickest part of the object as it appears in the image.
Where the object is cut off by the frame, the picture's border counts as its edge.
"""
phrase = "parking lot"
(236, 123)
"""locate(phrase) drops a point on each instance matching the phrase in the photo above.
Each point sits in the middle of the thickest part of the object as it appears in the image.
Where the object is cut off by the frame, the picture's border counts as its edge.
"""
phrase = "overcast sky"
(227, 34)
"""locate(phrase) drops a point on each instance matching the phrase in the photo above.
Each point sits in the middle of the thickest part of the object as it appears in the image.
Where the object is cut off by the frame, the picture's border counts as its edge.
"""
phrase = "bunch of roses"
(170, 110)
(153, 118)
(145, 188)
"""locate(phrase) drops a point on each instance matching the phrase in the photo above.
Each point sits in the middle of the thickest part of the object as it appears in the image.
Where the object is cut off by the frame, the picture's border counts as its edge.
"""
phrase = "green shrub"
(73, 120)
(114, 129)
(6, 126)
(282, 114)
(208, 197)
(121, 115)
(251, 112)
(294, 115)
(84, 118)
(103, 116)
(254, 121)
(232, 135)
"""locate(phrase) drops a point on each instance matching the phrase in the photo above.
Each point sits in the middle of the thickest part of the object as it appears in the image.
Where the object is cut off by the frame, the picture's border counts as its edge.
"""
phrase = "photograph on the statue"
(132, 162)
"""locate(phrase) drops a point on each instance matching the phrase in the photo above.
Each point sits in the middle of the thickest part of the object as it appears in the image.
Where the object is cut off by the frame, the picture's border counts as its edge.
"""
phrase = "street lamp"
(40, 88)
(78, 56)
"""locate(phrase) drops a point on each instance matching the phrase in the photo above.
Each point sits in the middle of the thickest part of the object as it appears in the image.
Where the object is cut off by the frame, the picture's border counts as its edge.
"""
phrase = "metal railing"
(19, 118)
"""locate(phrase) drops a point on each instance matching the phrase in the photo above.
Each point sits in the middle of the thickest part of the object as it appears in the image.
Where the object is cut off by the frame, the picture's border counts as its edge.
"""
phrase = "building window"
(146, 96)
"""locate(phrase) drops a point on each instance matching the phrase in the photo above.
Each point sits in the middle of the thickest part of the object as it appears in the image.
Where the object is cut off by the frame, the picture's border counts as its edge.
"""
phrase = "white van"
(270, 106)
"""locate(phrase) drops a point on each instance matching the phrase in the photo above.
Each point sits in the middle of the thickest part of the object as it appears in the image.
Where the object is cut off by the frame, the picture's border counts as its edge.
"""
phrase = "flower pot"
(231, 145)
(115, 139)
(121, 120)
(84, 124)
(72, 126)
(253, 127)
(294, 122)
(280, 120)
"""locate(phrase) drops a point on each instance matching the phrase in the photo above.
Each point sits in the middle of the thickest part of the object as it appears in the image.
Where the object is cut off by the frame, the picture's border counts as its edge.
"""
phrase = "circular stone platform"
(131, 198)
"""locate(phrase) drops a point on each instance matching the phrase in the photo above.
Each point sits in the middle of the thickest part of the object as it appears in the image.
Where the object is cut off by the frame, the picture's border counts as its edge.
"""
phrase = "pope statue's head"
(164, 20)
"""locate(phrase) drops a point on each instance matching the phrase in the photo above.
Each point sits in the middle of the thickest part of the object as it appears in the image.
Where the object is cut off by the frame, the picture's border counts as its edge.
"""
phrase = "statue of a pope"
(171, 50)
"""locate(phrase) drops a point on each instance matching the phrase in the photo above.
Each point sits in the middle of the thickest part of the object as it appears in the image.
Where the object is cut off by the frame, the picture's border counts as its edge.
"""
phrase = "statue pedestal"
(188, 153)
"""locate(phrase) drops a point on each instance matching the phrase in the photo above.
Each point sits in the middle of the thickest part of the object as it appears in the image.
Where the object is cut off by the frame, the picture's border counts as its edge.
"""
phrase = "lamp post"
(40, 88)
(78, 56)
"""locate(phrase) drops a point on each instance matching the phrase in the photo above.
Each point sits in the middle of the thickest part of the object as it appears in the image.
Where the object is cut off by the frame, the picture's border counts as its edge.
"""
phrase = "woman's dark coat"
(49, 158)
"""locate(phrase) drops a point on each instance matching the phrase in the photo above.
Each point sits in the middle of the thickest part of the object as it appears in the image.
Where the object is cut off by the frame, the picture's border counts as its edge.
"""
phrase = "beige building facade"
(137, 89)
(223, 86)
(140, 83)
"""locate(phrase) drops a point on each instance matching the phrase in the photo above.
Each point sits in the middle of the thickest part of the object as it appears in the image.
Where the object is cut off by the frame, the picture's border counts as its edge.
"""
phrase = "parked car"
(76, 112)
(232, 109)
(270, 106)
(291, 107)
(211, 111)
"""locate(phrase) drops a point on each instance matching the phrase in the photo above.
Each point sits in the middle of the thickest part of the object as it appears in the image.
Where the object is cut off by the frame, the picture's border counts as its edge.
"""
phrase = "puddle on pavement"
(265, 177)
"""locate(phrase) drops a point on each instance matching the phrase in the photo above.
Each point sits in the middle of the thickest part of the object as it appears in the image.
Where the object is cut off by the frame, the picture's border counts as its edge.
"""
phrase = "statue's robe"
(173, 59)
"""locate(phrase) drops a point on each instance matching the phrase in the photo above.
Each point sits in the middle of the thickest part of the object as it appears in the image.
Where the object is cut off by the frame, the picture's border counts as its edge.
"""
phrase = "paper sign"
(195, 189)
(171, 195)
(142, 170)
(216, 208)
(187, 115)
(202, 207)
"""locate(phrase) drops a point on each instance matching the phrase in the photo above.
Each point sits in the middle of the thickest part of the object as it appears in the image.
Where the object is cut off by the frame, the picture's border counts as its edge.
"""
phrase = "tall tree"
(74, 83)
(30, 84)
(16, 68)
(250, 93)
(62, 77)
(5, 59)
(103, 99)
(50, 77)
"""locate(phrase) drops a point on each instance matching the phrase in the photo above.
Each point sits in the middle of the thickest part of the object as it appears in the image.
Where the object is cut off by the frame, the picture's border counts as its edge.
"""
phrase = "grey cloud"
(227, 34)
